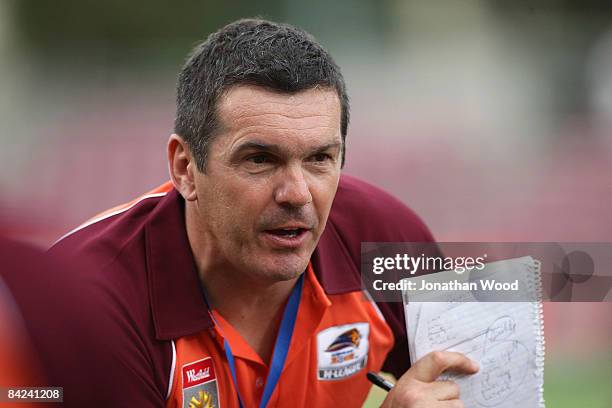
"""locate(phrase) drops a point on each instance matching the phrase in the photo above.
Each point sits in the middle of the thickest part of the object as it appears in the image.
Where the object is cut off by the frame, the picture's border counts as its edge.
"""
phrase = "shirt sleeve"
(89, 339)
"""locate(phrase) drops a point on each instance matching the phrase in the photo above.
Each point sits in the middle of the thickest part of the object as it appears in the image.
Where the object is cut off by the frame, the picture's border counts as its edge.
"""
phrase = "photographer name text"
(482, 285)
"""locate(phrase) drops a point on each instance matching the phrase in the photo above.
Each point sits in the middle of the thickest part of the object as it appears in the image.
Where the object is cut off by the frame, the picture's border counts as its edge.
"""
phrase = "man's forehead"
(244, 101)
(303, 120)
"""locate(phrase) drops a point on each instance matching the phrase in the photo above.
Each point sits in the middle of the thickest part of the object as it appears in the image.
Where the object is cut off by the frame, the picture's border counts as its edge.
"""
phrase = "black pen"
(378, 380)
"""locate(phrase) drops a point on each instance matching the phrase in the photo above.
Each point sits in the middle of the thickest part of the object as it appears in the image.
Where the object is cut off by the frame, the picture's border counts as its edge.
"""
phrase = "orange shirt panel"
(336, 340)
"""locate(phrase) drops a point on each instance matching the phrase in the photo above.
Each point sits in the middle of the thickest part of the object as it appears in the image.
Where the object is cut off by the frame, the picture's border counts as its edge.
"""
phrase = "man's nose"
(293, 188)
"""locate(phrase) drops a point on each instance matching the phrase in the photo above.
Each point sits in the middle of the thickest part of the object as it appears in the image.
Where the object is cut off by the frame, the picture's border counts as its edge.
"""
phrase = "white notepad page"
(506, 338)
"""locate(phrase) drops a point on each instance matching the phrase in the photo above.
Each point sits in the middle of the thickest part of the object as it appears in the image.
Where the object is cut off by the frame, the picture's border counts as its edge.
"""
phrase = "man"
(237, 284)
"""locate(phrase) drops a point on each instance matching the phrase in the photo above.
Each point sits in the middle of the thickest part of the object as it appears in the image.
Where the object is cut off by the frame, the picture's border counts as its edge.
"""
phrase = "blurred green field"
(569, 382)
(572, 382)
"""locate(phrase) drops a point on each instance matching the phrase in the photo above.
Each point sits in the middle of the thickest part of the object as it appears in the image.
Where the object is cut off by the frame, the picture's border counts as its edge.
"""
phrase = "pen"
(378, 380)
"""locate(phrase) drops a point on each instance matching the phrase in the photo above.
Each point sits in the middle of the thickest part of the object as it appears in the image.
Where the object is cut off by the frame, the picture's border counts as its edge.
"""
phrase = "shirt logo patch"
(342, 351)
(199, 384)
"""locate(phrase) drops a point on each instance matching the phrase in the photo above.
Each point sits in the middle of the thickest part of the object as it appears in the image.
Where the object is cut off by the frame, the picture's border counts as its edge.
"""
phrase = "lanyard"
(281, 347)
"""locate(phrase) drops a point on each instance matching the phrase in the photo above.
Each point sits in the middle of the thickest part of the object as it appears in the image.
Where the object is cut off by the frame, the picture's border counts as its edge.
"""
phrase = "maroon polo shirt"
(131, 286)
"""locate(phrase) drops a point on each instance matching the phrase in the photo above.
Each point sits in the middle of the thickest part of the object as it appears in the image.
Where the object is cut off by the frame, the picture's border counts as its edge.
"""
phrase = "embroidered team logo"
(342, 351)
(348, 339)
(200, 385)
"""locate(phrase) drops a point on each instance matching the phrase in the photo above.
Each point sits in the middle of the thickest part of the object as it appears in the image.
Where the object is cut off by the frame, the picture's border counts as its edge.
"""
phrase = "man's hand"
(418, 387)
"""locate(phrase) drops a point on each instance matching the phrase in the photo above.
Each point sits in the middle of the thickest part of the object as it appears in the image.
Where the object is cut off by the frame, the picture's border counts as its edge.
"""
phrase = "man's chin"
(283, 269)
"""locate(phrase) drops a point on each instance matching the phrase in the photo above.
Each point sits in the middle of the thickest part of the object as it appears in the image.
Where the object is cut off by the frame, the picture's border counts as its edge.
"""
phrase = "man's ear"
(182, 166)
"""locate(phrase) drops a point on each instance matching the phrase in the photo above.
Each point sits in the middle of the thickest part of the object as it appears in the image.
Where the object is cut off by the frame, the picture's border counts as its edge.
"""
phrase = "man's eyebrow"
(256, 145)
(327, 146)
(273, 148)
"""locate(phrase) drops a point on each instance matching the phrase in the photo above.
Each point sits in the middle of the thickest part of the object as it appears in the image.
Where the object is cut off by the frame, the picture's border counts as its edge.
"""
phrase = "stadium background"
(492, 119)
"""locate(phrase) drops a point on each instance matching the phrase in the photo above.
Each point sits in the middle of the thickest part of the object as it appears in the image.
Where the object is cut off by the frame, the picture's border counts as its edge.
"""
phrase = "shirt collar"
(313, 304)
(176, 298)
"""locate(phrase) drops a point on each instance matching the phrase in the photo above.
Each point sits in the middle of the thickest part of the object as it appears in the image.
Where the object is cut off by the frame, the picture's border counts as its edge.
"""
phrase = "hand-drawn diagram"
(500, 373)
(506, 338)
(502, 329)
(439, 332)
(498, 378)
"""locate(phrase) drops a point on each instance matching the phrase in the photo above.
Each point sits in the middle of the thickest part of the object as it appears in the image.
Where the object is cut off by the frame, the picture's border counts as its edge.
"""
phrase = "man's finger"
(445, 390)
(451, 404)
(428, 368)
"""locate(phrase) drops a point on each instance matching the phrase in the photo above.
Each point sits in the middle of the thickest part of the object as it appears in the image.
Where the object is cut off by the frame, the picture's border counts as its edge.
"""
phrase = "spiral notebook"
(506, 338)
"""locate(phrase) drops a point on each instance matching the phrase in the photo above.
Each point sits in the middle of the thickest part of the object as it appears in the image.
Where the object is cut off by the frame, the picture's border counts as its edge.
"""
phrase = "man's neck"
(255, 311)
(252, 307)
(237, 298)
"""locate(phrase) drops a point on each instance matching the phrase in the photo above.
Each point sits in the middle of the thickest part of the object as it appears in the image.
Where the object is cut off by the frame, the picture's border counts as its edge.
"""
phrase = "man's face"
(271, 176)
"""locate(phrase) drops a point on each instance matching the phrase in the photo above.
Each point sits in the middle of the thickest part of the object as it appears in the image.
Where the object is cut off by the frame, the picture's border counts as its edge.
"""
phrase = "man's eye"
(259, 159)
(321, 157)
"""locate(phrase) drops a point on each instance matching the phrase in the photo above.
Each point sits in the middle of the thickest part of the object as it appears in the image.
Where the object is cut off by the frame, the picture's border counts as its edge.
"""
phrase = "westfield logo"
(198, 372)
(201, 374)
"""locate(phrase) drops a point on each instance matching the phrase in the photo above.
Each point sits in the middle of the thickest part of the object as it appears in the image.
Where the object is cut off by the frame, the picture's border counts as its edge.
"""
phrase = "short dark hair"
(277, 56)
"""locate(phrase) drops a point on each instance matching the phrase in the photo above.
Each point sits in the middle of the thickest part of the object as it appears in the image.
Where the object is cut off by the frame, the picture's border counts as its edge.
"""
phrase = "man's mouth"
(287, 232)
(287, 238)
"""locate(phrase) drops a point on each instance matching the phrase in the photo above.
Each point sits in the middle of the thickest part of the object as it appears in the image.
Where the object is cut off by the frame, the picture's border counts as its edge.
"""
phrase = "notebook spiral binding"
(536, 280)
